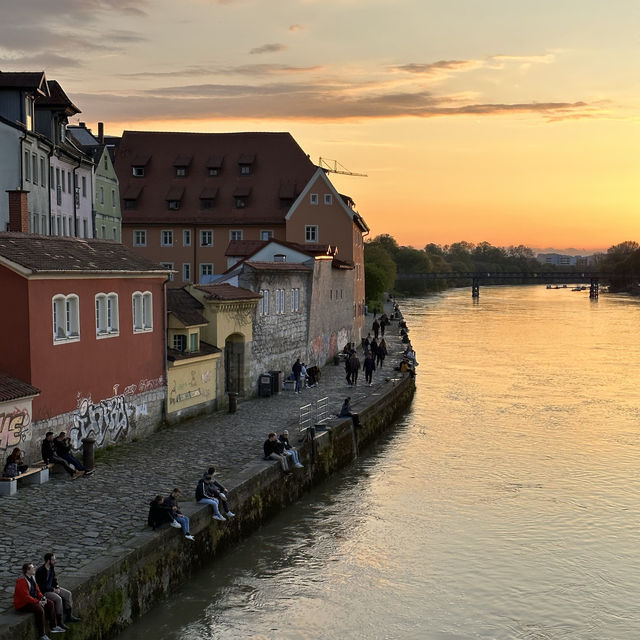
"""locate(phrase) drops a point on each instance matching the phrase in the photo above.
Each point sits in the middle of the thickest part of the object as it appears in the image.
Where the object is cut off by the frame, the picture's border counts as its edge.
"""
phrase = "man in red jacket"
(28, 598)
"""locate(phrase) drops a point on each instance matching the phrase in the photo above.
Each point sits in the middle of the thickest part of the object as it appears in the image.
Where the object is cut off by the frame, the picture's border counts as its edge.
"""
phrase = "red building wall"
(92, 367)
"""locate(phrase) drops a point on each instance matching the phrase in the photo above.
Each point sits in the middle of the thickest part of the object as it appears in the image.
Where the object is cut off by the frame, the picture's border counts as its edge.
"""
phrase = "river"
(505, 505)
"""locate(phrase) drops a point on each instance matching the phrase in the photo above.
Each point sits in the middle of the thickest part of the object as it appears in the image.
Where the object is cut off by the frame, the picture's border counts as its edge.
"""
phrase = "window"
(213, 172)
(206, 271)
(186, 237)
(180, 342)
(130, 203)
(51, 183)
(107, 323)
(139, 238)
(206, 238)
(313, 198)
(66, 319)
(85, 227)
(34, 168)
(138, 172)
(295, 299)
(328, 198)
(245, 169)
(142, 312)
(106, 165)
(43, 173)
(279, 257)
(280, 300)
(166, 238)
(58, 178)
(113, 197)
(266, 235)
(29, 112)
(235, 234)
(207, 203)
(84, 186)
(241, 202)
(62, 181)
(193, 342)
(311, 233)
(27, 167)
(174, 205)
(181, 172)
(186, 272)
(69, 181)
(263, 306)
(169, 267)
(101, 195)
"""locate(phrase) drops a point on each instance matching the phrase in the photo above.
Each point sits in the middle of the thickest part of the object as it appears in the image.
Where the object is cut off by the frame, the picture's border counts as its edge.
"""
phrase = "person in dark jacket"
(274, 450)
(219, 492)
(296, 369)
(381, 353)
(346, 412)
(289, 449)
(48, 584)
(15, 465)
(369, 367)
(376, 328)
(63, 449)
(29, 599)
(158, 513)
(203, 496)
(49, 455)
(179, 519)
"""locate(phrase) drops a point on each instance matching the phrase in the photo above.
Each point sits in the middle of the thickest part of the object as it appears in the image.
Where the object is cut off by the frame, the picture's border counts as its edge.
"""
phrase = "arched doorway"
(234, 363)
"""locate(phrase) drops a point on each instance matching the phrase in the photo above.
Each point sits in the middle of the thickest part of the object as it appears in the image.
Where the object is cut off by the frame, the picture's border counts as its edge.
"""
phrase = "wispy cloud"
(434, 68)
(295, 27)
(268, 48)
(258, 70)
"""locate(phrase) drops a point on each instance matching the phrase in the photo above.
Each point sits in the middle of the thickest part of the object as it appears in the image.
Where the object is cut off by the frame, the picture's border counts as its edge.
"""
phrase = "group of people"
(58, 449)
(304, 376)
(38, 592)
(279, 448)
(208, 491)
(374, 355)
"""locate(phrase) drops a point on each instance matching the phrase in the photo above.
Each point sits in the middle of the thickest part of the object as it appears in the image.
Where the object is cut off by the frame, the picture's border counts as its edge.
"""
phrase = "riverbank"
(115, 566)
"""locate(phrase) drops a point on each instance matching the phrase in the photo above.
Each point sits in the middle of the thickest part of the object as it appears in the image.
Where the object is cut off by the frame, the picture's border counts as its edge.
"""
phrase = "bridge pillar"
(475, 288)
(594, 289)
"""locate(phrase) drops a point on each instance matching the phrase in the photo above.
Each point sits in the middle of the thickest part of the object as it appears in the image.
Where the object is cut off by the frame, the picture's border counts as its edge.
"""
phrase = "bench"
(35, 474)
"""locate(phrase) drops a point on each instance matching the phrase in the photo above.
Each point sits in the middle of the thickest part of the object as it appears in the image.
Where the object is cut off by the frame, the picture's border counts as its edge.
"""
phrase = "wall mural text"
(106, 420)
(15, 429)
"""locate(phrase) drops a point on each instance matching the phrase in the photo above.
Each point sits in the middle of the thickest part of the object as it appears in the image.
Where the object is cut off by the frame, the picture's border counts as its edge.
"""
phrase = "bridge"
(546, 276)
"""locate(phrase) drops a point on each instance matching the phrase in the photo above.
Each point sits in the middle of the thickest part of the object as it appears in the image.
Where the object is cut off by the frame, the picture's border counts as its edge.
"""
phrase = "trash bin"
(276, 381)
(264, 385)
(233, 402)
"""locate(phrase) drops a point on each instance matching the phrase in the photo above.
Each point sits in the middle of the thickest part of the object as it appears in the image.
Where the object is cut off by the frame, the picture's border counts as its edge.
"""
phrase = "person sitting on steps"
(203, 496)
(49, 455)
(179, 520)
(219, 492)
(48, 584)
(274, 450)
(290, 450)
(63, 448)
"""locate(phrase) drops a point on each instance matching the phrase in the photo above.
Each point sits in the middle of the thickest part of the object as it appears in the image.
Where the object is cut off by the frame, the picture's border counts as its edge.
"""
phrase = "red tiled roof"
(244, 248)
(277, 159)
(227, 292)
(41, 254)
(12, 389)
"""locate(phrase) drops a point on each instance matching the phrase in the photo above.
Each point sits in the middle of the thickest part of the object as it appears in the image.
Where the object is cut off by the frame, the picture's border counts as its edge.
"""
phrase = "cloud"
(258, 70)
(295, 27)
(434, 68)
(268, 48)
(38, 61)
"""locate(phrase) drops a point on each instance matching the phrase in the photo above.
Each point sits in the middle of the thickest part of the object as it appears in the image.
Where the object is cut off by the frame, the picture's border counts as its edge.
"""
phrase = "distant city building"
(564, 260)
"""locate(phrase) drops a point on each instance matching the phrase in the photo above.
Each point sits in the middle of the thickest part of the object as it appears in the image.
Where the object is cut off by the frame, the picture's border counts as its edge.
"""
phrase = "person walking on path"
(376, 328)
(274, 450)
(353, 367)
(48, 584)
(29, 599)
(369, 367)
(381, 353)
(297, 373)
(49, 455)
(204, 496)
(180, 521)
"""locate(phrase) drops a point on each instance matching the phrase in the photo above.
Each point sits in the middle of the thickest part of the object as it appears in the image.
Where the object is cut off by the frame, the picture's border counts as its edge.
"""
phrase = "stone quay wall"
(116, 589)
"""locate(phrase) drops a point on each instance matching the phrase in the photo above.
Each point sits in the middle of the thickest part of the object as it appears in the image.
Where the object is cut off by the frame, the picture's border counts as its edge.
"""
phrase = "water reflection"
(505, 505)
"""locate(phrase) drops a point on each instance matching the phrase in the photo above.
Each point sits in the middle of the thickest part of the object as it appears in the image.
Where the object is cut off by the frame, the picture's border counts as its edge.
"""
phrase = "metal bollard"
(88, 457)
(233, 402)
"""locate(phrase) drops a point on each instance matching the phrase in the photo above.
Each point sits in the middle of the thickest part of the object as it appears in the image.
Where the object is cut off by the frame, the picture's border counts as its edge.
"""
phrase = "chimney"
(101, 132)
(18, 211)
(82, 125)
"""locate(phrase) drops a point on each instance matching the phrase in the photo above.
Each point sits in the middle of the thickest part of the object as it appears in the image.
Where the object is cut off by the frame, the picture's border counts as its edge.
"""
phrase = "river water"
(506, 504)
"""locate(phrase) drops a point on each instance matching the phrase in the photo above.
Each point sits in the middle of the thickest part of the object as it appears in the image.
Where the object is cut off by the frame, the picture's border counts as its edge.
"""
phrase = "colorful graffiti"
(141, 387)
(15, 429)
(108, 420)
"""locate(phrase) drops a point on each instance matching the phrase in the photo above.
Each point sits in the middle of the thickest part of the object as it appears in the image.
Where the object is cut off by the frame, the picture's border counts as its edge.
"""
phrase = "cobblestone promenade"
(95, 516)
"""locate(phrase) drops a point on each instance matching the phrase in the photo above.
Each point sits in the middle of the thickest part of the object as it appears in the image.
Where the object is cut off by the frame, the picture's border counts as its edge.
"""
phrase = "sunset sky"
(507, 121)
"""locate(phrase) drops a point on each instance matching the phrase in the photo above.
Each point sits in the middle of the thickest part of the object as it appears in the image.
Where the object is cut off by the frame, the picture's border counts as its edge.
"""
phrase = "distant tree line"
(387, 265)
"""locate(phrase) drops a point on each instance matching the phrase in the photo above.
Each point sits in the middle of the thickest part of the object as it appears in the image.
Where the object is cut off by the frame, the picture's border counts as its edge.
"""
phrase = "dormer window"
(208, 197)
(28, 109)
(279, 257)
(139, 164)
(241, 202)
(138, 172)
(131, 195)
(214, 166)
(174, 197)
(241, 197)
(246, 164)
(181, 165)
(181, 172)
(180, 342)
(174, 205)
(245, 169)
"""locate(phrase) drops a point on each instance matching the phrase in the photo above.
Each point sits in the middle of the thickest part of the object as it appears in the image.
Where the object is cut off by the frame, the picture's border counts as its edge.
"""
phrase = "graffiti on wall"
(107, 420)
(15, 429)
(141, 387)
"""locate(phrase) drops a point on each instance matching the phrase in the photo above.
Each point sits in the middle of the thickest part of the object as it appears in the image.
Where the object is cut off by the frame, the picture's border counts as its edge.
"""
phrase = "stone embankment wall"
(113, 591)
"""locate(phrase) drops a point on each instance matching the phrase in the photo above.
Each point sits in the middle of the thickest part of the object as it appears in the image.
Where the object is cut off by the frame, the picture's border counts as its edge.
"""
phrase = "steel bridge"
(548, 277)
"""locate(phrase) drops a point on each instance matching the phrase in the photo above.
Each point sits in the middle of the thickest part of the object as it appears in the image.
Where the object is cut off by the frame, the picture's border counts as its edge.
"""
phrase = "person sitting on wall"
(203, 496)
(48, 584)
(274, 450)
(63, 448)
(290, 450)
(219, 492)
(15, 464)
(345, 412)
(158, 513)
(29, 599)
(179, 520)
(49, 455)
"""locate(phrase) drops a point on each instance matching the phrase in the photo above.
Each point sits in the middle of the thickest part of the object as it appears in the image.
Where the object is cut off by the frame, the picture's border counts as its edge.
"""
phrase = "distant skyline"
(506, 122)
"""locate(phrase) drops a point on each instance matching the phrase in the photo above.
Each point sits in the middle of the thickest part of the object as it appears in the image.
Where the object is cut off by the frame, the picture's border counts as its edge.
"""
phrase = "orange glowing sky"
(503, 121)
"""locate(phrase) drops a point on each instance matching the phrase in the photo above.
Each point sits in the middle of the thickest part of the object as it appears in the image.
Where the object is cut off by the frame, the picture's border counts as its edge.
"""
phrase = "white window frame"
(186, 237)
(206, 231)
(107, 315)
(186, 272)
(166, 240)
(328, 198)
(263, 307)
(139, 237)
(295, 300)
(142, 306)
(235, 234)
(66, 318)
(266, 234)
(314, 198)
(206, 266)
(311, 233)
